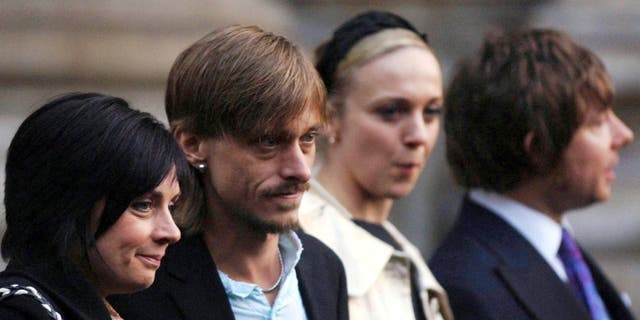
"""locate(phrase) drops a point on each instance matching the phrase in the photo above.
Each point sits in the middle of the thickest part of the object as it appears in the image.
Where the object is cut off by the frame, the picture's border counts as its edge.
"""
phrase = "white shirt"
(542, 232)
(247, 300)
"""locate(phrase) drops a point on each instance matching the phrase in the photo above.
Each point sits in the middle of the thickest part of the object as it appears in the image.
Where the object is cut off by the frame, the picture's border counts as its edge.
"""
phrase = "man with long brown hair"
(531, 131)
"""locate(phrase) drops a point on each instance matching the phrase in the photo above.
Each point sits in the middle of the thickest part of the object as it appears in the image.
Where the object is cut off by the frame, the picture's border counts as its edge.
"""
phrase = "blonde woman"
(385, 97)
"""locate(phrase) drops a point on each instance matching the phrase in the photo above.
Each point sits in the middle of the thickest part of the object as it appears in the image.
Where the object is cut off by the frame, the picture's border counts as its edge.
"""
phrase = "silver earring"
(201, 167)
(332, 139)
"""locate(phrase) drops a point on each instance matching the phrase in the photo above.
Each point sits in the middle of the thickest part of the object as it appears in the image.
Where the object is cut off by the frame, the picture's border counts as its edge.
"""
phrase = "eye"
(431, 112)
(143, 206)
(389, 112)
(310, 137)
(174, 203)
(267, 142)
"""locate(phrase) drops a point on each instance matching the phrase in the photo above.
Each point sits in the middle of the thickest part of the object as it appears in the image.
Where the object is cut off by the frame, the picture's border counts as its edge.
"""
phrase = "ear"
(536, 155)
(334, 124)
(192, 145)
(528, 143)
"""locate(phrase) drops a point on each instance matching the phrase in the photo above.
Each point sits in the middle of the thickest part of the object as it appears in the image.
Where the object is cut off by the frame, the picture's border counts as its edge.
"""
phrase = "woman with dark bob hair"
(385, 96)
(90, 189)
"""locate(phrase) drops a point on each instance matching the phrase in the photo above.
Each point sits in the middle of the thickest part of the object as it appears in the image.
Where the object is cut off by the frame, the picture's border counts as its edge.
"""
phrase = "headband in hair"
(376, 44)
(350, 34)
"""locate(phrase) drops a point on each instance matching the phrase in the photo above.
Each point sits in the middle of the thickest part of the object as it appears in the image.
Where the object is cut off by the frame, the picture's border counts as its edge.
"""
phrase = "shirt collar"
(290, 249)
(540, 230)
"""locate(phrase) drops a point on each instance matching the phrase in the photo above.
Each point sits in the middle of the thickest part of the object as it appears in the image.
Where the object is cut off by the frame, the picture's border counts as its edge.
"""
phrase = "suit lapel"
(195, 284)
(542, 295)
(305, 282)
(527, 275)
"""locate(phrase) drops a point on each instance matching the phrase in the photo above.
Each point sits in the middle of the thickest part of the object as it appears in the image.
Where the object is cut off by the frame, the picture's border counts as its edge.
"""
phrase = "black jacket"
(490, 271)
(187, 286)
(69, 293)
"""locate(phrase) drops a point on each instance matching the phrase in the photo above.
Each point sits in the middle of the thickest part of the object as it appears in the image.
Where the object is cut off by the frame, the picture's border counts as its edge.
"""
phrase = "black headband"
(350, 33)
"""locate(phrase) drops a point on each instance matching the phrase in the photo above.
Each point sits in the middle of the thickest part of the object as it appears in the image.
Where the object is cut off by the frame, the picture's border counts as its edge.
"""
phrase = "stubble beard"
(253, 221)
(263, 226)
(569, 192)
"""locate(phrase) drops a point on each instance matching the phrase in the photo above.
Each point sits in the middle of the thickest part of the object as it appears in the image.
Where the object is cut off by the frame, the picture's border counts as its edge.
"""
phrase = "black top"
(378, 231)
(187, 285)
(69, 293)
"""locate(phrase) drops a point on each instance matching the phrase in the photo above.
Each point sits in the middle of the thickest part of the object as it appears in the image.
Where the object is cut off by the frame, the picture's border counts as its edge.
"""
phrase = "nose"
(621, 134)
(165, 229)
(417, 132)
(297, 163)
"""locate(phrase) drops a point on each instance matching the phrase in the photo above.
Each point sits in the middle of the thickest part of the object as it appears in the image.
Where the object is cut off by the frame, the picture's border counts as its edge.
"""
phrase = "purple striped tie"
(580, 277)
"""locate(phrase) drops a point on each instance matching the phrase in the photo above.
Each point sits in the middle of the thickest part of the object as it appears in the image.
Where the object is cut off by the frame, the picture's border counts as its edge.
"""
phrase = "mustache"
(286, 188)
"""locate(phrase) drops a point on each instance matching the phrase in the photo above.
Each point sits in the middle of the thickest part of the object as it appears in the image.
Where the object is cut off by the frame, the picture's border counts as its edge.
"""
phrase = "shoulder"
(466, 267)
(470, 243)
(22, 308)
(459, 247)
(322, 280)
(463, 262)
(20, 298)
(315, 249)
(319, 260)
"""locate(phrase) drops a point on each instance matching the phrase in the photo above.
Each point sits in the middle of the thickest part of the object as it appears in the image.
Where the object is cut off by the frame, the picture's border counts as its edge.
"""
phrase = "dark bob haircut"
(535, 81)
(69, 154)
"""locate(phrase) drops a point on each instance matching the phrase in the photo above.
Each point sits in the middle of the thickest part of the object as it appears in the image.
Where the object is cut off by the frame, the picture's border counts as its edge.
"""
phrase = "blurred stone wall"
(126, 49)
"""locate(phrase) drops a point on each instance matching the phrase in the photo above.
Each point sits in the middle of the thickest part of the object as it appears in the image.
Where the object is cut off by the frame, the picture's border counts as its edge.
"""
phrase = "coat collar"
(322, 216)
(192, 265)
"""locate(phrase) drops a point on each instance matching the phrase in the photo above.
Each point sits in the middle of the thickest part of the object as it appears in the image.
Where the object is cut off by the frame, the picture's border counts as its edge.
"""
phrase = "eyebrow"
(157, 194)
(288, 134)
(439, 100)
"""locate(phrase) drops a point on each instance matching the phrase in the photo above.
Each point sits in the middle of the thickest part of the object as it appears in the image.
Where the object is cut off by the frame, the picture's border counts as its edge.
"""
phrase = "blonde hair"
(374, 45)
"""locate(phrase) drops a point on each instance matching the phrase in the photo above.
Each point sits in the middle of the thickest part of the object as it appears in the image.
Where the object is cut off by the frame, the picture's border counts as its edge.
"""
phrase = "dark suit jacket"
(69, 294)
(490, 271)
(187, 286)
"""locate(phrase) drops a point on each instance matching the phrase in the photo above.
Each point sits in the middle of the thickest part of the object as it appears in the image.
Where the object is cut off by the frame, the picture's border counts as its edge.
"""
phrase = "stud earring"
(332, 139)
(201, 167)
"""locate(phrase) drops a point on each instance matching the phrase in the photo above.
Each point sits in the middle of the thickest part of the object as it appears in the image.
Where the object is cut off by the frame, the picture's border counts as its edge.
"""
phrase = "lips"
(151, 260)
(293, 195)
(611, 174)
(407, 168)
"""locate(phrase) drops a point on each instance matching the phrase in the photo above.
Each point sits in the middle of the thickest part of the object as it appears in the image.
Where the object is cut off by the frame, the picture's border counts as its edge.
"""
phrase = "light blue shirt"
(542, 232)
(249, 303)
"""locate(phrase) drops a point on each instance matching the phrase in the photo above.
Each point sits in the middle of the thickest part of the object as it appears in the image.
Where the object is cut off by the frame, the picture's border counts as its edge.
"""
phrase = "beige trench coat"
(378, 278)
